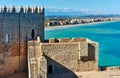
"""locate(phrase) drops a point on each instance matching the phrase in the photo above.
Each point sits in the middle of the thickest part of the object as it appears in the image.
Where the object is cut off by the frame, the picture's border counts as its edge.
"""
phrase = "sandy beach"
(67, 26)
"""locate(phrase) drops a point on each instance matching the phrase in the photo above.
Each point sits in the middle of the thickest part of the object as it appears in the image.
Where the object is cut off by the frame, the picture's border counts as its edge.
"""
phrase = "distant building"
(53, 23)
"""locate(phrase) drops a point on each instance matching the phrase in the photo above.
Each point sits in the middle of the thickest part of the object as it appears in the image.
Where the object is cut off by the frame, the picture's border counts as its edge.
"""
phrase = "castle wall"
(70, 56)
(10, 50)
(15, 31)
(58, 58)
(65, 54)
(29, 22)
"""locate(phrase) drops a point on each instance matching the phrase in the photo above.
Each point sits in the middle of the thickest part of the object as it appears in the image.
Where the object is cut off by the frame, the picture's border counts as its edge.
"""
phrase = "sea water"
(107, 34)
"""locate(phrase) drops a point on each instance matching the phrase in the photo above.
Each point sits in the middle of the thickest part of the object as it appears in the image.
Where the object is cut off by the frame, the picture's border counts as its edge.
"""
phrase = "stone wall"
(65, 56)
(60, 55)
(36, 63)
(75, 56)
(15, 31)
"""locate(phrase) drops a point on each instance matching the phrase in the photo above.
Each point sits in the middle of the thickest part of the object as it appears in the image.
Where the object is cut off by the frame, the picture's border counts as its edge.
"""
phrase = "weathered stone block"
(78, 40)
(63, 40)
(83, 49)
(52, 40)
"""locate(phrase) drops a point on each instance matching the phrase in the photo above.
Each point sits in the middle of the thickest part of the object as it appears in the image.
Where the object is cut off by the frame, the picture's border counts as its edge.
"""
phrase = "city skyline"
(85, 6)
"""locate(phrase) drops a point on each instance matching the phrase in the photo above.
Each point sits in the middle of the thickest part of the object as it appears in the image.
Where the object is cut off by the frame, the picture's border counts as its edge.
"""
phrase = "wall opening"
(50, 69)
(33, 34)
(7, 38)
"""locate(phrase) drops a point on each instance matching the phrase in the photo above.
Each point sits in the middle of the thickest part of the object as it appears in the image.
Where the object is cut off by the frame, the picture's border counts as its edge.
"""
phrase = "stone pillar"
(21, 10)
(13, 10)
(5, 9)
(29, 10)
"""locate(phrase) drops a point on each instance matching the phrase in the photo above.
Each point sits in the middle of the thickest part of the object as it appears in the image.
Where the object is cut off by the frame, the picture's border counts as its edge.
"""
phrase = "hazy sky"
(87, 6)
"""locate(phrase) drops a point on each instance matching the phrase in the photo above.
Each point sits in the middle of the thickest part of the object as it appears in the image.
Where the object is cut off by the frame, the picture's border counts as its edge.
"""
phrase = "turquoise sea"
(107, 34)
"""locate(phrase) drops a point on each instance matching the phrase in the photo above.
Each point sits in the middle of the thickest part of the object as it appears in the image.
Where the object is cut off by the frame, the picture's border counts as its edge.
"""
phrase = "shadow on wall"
(91, 54)
(57, 70)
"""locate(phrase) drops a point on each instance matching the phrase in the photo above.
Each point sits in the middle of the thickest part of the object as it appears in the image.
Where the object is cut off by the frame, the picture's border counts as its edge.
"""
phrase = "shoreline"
(74, 25)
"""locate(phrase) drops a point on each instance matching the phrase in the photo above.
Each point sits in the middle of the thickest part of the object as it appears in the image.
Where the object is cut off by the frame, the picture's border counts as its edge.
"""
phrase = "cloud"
(66, 10)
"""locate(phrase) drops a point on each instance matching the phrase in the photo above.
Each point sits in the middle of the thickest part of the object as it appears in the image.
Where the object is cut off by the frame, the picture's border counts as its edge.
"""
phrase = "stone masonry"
(16, 27)
(61, 58)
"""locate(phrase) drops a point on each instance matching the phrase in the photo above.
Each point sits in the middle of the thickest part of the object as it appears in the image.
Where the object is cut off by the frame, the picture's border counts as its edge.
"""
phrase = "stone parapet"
(52, 40)
(67, 40)
(22, 10)
(63, 40)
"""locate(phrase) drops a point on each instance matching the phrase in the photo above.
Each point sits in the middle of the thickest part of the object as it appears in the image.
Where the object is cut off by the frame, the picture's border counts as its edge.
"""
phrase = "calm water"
(107, 34)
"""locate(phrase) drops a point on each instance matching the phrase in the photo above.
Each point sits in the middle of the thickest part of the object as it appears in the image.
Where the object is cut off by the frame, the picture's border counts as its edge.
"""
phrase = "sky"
(86, 6)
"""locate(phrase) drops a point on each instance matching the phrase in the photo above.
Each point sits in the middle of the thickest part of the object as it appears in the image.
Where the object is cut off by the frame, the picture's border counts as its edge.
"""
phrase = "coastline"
(67, 26)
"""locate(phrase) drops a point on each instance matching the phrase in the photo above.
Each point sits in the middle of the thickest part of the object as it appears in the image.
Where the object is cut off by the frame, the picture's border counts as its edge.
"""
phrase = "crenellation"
(40, 10)
(67, 40)
(21, 10)
(13, 9)
(52, 40)
(5, 9)
(29, 10)
(63, 40)
(78, 40)
(36, 10)
(43, 10)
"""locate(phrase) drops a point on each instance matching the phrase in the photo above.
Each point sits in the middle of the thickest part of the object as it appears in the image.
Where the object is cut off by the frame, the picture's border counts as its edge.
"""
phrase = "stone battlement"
(22, 9)
(67, 40)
